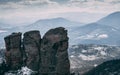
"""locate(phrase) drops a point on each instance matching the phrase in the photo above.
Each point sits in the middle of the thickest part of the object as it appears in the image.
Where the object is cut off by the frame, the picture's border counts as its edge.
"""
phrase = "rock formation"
(13, 51)
(54, 55)
(110, 67)
(31, 43)
(48, 56)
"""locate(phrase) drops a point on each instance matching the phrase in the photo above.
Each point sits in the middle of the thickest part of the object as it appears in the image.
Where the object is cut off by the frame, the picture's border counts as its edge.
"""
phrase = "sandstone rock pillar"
(13, 53)
(31, 43)
(54, 55)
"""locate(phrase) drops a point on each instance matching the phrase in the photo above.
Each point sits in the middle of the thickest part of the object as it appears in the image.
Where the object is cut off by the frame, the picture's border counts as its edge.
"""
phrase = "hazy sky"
(28, 11)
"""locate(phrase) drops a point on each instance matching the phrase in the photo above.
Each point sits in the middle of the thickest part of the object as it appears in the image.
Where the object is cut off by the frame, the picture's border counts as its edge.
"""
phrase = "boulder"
(31, 44)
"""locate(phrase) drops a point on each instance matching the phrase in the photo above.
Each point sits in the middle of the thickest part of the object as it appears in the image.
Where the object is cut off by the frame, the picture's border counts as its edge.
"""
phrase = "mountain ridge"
(107, 68)
(111, 20)
(79, 33)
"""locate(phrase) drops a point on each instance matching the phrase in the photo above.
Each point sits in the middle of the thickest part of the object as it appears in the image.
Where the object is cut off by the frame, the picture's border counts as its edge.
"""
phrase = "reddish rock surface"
(54, 55)
(31, 42)
(13, 51)
(48, 56)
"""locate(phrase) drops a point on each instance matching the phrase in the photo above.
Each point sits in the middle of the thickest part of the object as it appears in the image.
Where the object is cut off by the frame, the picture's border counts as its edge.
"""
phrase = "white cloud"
(38, 2)
(96, 5)
(32, 10)
(88, 57)
(23, 4)
(81, 5)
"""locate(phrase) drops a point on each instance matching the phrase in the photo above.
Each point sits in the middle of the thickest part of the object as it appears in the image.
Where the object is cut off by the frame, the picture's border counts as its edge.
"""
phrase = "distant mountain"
(104, 31)
(83, 17)
(107, 68)
(5, 26)
(46, 24)
(4, 30)
(111, 20)
(95, 34)
(57, 22)
(42, 25)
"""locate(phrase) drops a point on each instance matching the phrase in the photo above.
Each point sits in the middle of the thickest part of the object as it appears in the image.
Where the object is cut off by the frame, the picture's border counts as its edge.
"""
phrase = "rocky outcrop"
(111, 67)
(13, 51)
(54, 55)
(47, 56)
(3, 67)
(31, 43)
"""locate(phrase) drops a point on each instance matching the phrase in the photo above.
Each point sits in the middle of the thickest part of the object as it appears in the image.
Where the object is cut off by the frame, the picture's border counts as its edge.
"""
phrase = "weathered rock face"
(2, 68)
(48, 56)
(13, 51)
(54, 55)
(31, 42)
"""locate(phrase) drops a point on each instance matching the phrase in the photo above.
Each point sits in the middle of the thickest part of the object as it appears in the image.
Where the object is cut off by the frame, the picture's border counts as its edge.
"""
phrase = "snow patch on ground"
(25, 71)
(88, 57)
(75, 46)
(98, 48)
(103, 53)
(101, 50)
(22, 71)
(84, 51)
(95, 65)
(114, 29)
(103, 36)
(72, 56)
